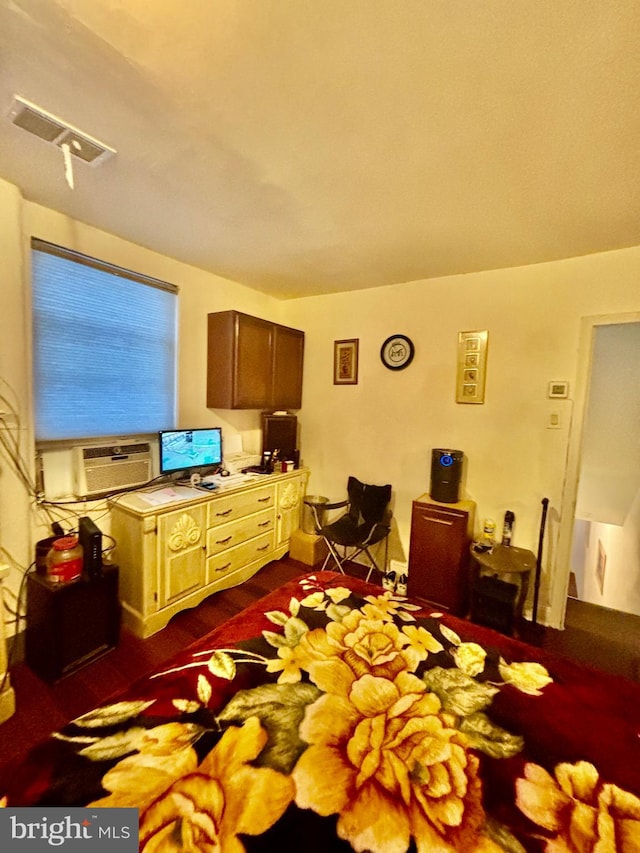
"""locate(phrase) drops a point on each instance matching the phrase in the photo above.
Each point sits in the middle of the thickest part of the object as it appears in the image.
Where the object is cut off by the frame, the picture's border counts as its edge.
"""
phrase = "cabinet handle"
(265, 523)
(438, 520)
(223, 568)
(226, 512)
(223, 541)
(263, 500)
(263, 548)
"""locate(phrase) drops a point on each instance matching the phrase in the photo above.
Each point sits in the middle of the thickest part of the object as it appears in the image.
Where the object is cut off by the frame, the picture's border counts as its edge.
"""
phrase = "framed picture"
(345, 362)
(472, 366)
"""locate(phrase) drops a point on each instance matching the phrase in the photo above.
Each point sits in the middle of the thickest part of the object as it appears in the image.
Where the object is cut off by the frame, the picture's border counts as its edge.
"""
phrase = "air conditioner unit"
(99, 469)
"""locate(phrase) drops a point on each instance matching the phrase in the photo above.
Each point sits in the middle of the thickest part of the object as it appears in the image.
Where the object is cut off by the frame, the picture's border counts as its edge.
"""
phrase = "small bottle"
(489, 532)
(507, 529)
(64, 560)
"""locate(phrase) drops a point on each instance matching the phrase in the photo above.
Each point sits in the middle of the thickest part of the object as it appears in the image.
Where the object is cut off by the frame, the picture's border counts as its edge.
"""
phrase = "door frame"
(560, 587)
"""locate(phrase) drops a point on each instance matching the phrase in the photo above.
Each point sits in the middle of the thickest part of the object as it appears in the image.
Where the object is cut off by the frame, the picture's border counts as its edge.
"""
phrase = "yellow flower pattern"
(582, 813)
(357, 711)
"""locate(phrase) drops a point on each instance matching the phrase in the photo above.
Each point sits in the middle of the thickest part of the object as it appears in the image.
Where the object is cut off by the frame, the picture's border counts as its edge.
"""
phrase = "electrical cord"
(107, 496)
(12, 652)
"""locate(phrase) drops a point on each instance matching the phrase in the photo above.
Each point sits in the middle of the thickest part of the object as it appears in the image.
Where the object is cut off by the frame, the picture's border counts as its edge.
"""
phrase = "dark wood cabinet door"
(439, 554)
(288, 354)
(252, 370)
(253, 363)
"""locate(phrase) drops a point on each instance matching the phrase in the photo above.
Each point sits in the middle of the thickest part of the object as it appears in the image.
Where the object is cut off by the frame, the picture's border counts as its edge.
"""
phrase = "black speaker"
(446, 473)
(280, 432)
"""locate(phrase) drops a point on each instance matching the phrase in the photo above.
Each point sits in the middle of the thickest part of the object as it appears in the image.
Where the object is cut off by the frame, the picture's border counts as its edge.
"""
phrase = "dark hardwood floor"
(596, 637)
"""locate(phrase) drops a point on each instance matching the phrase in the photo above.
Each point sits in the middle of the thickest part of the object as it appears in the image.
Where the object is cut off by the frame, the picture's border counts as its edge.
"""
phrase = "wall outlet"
(398, 567)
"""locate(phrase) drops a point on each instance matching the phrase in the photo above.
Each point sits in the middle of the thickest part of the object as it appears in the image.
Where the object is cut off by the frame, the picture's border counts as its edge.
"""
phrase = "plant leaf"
(450, 635)
(222, 665)
(275, 640)
(280, 708)
(112, 715)
(204, 690)
(114, 746)
(294, 630)
(277, 617)
(458, 692)
(337, 612)
(187, 706)
(294, 606)
(490, 738)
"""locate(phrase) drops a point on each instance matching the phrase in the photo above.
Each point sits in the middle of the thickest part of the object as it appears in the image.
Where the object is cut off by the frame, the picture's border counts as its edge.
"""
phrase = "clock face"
(397, 352)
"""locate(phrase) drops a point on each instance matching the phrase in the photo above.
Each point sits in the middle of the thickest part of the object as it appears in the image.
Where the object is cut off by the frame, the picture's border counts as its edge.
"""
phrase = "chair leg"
(336, 556)
(339, 561)
(374, 565)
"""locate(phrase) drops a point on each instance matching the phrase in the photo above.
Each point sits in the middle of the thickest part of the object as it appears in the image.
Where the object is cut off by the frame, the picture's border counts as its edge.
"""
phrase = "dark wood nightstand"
(70, 624)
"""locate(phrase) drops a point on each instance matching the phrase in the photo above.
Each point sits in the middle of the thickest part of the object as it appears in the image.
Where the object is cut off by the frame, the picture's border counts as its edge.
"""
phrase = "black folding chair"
(365, 522)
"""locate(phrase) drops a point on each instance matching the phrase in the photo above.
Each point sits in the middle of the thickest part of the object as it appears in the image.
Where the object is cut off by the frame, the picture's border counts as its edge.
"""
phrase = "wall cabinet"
(439, 557)
(252, 363)
(173, 555)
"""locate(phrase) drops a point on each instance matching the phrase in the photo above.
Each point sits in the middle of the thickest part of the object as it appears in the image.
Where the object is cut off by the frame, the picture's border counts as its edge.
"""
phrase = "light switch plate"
(554, 420)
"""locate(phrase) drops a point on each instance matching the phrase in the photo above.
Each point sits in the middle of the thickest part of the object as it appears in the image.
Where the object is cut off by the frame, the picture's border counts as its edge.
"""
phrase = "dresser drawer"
(229, 507)
(236, 532)
(239, 557)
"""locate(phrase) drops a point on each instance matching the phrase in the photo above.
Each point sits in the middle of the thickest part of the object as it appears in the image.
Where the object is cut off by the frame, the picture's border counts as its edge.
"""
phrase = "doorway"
(598, 550)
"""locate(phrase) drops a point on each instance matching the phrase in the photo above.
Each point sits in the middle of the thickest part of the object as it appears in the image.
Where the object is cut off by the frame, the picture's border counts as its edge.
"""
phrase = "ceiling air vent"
(52, 129)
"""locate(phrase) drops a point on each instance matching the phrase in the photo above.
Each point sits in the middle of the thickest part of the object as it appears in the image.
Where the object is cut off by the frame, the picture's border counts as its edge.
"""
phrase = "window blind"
(104, 347)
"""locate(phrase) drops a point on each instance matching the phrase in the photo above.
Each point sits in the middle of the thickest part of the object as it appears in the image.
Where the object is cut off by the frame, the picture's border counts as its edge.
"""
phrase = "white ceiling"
(314, 146)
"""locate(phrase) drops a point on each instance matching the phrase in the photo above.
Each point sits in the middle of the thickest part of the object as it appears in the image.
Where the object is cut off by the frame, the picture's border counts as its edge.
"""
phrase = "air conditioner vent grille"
(80, 146)
(115, 450)
(100, 469)
(53, 129)
(38, 124)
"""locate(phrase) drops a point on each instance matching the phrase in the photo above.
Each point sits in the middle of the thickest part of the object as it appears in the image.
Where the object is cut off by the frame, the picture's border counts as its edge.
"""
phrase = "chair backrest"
(367, 502)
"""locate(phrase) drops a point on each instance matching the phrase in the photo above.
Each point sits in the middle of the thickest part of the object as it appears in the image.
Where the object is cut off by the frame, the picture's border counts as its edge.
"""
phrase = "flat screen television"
(187, 451)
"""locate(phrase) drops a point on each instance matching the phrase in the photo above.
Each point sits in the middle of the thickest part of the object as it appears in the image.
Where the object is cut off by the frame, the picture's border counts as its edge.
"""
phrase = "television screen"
(189, 449)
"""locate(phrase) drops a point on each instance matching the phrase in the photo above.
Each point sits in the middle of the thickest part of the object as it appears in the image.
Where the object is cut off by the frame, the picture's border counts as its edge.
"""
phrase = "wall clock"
(397, 352)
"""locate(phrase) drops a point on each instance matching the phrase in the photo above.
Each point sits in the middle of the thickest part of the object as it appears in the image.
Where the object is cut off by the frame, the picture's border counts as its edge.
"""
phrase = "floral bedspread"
(335, 716)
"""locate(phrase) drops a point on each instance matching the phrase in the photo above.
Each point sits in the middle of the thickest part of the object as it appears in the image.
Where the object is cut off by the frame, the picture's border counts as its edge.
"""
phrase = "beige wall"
(382, 429)
(21, 523)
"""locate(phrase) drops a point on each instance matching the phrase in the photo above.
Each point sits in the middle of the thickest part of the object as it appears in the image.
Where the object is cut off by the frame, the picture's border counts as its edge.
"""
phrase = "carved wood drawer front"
(239, 557)
(235, 532)
(229, 507)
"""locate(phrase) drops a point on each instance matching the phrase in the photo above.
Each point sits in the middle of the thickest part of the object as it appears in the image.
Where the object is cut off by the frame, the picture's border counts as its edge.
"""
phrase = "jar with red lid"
(64, 560)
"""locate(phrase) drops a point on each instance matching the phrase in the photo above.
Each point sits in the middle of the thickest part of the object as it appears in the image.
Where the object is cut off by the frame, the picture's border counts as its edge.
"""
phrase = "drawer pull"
(226, 511)
(224, 541)
(264, 500)
(263, 547)
(438, 520)
(223, 568)
(265, 523)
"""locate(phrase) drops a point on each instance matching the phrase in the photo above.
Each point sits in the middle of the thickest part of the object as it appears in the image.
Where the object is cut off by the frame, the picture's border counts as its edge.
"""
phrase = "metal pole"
(545, 504)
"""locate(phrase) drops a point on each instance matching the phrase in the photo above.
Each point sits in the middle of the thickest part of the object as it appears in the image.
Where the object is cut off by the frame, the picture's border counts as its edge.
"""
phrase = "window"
(104, 348)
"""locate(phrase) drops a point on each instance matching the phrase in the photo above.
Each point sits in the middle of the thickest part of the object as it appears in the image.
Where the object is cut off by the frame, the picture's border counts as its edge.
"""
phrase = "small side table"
(70, 624)
(507, 564)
